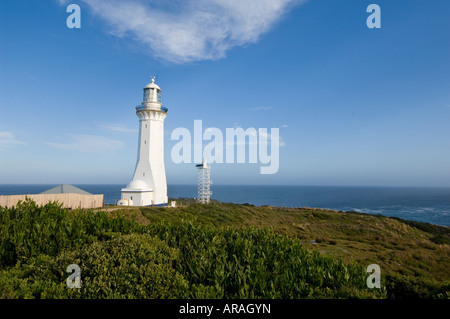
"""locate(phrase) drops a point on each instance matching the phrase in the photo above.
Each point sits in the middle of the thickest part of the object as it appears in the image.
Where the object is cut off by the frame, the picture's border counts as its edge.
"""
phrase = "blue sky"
(355, 106)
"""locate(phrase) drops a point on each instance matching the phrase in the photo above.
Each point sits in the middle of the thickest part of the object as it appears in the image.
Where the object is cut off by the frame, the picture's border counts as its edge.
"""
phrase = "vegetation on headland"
(218, 251)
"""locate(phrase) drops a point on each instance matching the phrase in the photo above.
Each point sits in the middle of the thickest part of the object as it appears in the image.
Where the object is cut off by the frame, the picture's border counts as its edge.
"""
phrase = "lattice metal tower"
(204, 183)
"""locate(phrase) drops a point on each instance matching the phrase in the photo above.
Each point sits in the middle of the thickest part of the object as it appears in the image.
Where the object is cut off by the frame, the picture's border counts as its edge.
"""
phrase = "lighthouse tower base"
(136, 197)
(137, 193)
(132, 197)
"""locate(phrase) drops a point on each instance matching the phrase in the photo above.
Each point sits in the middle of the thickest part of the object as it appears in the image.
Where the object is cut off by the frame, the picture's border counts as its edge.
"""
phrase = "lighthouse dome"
(152, 85)
(137, 184)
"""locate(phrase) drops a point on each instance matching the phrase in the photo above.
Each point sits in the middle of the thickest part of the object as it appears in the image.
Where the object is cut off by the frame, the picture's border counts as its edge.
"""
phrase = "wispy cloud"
(7, 139)
(116, 128)
(183, 31)
(89, 143)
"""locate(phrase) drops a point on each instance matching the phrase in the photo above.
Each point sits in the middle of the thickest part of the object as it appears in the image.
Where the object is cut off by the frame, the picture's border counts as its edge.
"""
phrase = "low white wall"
(68, 200)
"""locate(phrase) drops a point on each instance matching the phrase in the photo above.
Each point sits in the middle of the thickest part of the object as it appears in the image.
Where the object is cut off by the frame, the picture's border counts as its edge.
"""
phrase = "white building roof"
(65, 189)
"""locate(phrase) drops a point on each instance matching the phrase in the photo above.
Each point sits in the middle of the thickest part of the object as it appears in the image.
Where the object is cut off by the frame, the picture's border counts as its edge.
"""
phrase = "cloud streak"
(185, 31)
(7, 139)
(89, 143)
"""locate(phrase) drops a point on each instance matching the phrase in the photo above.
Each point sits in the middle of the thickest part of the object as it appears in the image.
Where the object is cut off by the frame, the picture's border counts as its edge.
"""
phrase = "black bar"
(227, 308)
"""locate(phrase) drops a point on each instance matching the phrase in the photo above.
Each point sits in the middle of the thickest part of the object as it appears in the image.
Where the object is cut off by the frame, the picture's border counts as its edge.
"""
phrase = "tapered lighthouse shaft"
(149, 186)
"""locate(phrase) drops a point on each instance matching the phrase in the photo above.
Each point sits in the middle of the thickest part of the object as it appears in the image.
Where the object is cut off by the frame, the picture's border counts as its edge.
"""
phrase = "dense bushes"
(29, 231)
(402, 287)
(130, 266)
(257, 263)
(120, 258)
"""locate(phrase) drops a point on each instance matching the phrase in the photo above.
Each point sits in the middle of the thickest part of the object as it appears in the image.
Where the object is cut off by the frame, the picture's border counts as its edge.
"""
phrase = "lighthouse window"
(145, 125)
(152, 94)
(143, 174)
(145, 142)
(146, 95)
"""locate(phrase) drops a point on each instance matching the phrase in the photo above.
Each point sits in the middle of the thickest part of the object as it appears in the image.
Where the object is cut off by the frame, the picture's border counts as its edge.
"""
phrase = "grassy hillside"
(374, 238)
(412, 251)
(217, 251)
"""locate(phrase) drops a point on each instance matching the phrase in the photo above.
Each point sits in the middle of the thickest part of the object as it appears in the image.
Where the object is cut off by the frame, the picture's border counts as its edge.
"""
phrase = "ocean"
(425, 204)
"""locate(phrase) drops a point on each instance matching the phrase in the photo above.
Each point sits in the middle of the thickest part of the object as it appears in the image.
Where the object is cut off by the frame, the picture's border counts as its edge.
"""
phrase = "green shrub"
(29, 230)
(258, 263)
(441, 239)
(403, 287)
(130, 266)
(8, 255)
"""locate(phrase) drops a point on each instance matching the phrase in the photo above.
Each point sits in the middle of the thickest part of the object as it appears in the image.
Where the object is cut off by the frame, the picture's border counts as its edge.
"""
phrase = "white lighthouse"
(149, 186)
